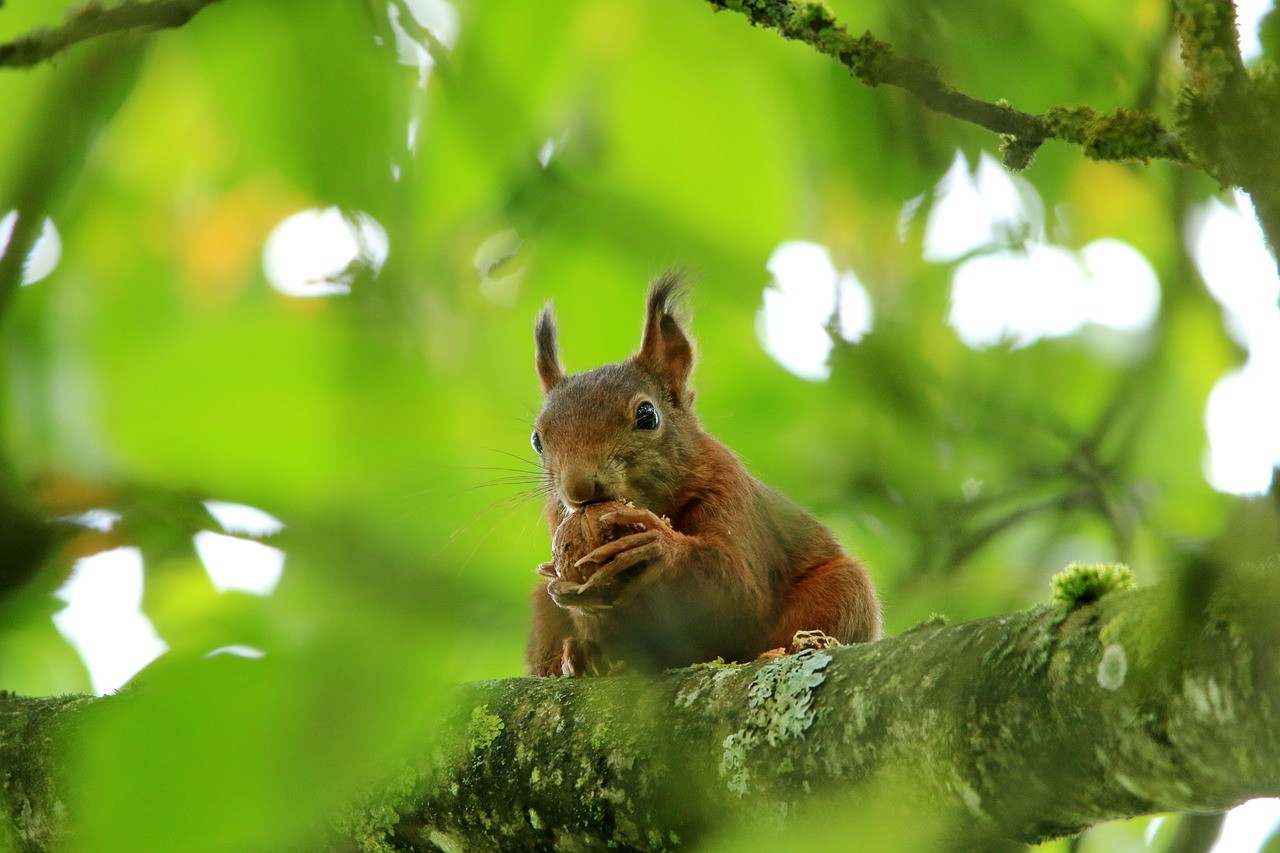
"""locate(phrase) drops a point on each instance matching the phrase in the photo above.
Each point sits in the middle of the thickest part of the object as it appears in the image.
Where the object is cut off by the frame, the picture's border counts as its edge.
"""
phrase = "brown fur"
(737, 571)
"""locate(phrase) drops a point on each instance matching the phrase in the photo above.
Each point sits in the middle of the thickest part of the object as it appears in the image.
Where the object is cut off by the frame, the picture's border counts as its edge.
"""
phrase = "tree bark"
(1021, 727)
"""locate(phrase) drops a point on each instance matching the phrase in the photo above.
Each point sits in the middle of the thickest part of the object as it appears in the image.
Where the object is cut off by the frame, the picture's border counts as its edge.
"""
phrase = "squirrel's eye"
(536, 441)
(646, 416)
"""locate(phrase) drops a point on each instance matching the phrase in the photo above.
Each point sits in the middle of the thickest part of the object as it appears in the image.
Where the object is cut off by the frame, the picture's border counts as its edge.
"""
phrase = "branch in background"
(1230, 118)
(1122, 135)
(1228, 122)
(1197, 833)
(82, 96)
(1210, 45)
(91, 20)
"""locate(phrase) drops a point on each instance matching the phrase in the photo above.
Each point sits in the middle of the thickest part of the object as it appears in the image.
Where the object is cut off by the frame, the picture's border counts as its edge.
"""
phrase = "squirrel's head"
(623, 430)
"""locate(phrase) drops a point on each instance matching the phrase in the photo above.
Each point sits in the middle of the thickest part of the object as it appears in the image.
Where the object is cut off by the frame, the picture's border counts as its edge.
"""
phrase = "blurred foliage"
(156, 368)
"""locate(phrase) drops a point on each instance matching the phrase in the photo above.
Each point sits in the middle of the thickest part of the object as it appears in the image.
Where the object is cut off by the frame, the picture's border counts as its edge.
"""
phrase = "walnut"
(581, 533)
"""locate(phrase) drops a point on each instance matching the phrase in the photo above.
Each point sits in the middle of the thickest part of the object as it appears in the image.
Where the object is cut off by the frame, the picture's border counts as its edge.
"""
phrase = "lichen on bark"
(781, 707)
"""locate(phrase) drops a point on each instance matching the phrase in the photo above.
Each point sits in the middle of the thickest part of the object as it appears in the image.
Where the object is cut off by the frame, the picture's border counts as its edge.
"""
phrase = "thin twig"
(91, 20)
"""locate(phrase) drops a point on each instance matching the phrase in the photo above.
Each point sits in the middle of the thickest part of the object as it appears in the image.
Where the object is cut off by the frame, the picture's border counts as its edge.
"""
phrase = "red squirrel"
(706, 561)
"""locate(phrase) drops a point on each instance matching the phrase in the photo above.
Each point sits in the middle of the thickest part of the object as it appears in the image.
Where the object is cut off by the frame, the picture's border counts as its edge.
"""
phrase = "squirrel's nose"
(583, 487)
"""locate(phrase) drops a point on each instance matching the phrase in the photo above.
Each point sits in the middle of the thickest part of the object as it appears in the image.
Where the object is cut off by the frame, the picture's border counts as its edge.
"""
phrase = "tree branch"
(80, 99)
(1026, 726)
(1228, 122)
(1230, 119)
(91, 20)
(1122, 135)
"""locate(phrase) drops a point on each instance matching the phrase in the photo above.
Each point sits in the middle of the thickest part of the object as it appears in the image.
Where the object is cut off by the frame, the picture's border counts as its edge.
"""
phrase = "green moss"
(1045, 642)
(811, 16)
(1028, 652)
(371, 821)
(1017, 153)
(1082, 583)
(483, 728)
(1206, 37)
(1126, 135)
(1122, 135)
(1069, 123)
(31, 769)
(933, 620)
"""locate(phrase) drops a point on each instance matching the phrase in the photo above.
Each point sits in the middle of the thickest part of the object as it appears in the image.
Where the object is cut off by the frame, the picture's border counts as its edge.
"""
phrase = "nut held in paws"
(578, 535)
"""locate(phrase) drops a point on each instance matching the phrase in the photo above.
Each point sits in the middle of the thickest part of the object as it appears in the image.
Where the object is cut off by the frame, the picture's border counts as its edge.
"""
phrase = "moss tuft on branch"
(1085, 583)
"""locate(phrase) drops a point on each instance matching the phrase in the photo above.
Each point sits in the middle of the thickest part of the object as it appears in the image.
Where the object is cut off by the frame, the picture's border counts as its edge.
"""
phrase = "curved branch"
(1030, 726)
(91, 20)
(1227, 120)
(1122, 135)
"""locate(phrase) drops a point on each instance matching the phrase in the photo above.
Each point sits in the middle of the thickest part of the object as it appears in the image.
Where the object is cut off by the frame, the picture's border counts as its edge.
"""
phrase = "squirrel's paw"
(581, 657)
(652, 541)
(576, 595)
(622, 552)
(800, 641)
(812, 640)
(634, 517)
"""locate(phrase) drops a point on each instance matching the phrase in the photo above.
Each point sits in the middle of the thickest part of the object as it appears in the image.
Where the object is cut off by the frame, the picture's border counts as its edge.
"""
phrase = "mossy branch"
(1230, 118)
(1026, 726)
(1227, 120)
(92, 19)
(1210, 44)
(1122, 135)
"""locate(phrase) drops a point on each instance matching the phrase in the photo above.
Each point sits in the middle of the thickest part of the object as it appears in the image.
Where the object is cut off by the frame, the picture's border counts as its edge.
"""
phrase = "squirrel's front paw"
(576, 595)
(655, 543)
(799, 642)
(813, 640)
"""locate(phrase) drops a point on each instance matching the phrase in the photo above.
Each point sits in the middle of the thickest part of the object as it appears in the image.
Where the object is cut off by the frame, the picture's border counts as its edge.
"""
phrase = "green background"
(156, 368)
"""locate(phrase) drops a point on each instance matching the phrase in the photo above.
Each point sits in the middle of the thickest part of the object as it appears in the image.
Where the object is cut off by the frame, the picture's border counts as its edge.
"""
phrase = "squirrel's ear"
(548, 352)
(665, 349)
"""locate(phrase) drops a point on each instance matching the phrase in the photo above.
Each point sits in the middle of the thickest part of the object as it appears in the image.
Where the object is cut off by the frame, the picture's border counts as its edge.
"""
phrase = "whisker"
(524, 460)
(501, 481)
(534, 483)
(509, 503)
(530, 482)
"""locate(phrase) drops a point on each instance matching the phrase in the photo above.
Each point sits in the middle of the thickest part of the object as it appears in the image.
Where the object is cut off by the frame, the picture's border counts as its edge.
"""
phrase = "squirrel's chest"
(661, 632)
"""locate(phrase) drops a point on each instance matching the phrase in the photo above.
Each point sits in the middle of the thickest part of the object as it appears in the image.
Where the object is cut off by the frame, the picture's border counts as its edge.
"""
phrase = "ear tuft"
(666, 349)
(550, 372)
(665, 292)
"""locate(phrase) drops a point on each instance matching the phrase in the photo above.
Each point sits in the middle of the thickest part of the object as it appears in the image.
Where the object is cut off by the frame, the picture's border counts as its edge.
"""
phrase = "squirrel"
(707, 562)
